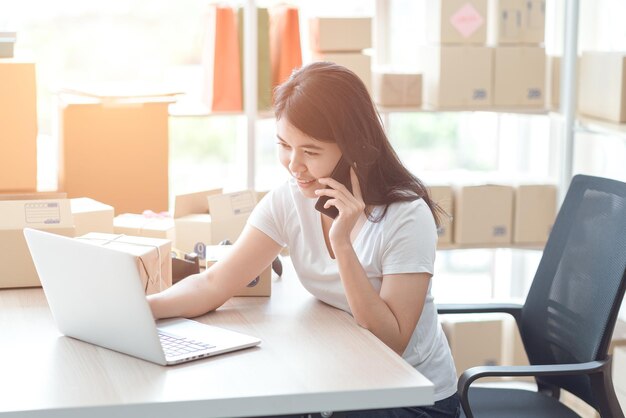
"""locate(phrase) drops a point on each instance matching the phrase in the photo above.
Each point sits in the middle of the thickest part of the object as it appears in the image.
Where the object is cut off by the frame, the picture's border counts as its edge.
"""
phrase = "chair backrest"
(572, 305)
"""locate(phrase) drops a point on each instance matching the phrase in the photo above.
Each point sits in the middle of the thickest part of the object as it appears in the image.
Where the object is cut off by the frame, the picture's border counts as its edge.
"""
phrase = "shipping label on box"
(145, 226)
(535, 212)
(395, 89)
(456, 22)
(458, 76)
(357, 62)
(335, 34)
(91, 216)
(154, 262)
(444, 197)
(260, 286)
(18, 126)
(519, 76)
(483, 215)
(49, 214)
(602, 85)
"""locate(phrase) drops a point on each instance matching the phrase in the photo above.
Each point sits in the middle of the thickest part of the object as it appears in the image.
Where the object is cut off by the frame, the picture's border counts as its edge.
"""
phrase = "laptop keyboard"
(177, 346)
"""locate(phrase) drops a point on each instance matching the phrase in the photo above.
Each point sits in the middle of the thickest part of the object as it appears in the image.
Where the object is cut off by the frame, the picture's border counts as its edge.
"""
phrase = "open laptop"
(96, 295)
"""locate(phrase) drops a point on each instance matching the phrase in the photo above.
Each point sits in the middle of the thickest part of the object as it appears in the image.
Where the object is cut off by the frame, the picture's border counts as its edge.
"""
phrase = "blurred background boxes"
(18, 126)
(535, 212)
(397, 89)
(357, 62)
(456, 22)
(340, 34)
(458, 76)
(483, 214)
(47, 212)
(519, 76)
(516, 22)
(7, 44)
(115, 151)
(602, 85)
(91, 216)
(140, 225)
(444, 197)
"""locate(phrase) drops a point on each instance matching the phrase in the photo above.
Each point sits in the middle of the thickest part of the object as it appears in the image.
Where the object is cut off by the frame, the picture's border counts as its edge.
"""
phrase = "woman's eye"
(283, 145)
(311, 154)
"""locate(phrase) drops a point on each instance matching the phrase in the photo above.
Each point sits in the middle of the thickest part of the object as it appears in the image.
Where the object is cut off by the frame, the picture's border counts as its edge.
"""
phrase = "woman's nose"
(295, 164)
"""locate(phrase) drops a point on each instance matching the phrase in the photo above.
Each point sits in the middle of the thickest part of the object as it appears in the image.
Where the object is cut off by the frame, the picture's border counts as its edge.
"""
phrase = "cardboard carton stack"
(603, 85)
(516, 31)
(457, 64)
(342, 41)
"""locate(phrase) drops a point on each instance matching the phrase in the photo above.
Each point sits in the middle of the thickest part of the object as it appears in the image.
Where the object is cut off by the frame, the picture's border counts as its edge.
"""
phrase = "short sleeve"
(410, 238)
(269, 215)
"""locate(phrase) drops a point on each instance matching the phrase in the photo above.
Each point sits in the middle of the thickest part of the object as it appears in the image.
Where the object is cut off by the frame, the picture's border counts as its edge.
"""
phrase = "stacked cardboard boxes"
(603, 85)
(342, 41)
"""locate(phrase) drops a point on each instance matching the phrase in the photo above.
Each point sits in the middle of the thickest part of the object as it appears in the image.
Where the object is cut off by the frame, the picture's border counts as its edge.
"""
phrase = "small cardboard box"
(337, 34)
(357, 62)
(153, 257)
(145, 226)
(467, 335)
(553, 85)
(533, 22)
(91, 216)
(221, 217)
(18, 126)
(260, 286)
(396, 89)
(506, 24)
(535, 212)
(602, 85)
(619, 369)
(483, 215)
(456, 22)
(458, 76)
(444, 197)
(115, 150)
(7, 43)
(519, 76)
(49, 213)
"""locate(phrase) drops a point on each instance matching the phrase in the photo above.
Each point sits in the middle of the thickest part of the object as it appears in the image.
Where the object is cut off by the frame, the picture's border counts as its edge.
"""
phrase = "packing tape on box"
(149, 280)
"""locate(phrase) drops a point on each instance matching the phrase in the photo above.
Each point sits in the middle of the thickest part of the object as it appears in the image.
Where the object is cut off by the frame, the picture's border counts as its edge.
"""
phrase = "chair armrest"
(513, 309)
(474, 373)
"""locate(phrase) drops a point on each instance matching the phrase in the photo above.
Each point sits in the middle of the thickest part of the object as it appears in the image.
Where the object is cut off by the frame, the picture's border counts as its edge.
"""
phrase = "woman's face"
(306, 158)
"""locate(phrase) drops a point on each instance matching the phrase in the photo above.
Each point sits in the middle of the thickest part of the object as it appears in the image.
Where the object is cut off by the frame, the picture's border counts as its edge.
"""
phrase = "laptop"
(95, 295)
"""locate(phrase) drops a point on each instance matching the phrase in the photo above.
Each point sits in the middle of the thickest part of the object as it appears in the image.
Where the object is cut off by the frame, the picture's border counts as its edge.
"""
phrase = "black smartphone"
(341, 173)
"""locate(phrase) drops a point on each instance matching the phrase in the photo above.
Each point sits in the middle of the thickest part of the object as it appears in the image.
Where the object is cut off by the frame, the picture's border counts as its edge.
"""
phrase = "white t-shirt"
(404, 241)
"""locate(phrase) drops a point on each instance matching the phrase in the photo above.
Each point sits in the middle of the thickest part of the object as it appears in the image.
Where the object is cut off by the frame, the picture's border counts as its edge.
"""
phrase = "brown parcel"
(261, 286)
(153, 257)
(535, 211)
(48, 214)
(444, 197)
(459, 22)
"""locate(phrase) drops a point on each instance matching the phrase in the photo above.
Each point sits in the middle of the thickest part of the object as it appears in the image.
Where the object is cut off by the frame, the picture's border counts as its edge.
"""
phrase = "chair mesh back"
(575, 296)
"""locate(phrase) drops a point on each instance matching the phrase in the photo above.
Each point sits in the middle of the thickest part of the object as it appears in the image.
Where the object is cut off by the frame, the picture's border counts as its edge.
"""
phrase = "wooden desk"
(312, 358)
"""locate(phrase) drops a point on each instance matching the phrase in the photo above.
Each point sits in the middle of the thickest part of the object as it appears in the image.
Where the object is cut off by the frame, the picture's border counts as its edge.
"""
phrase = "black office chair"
(567, 320)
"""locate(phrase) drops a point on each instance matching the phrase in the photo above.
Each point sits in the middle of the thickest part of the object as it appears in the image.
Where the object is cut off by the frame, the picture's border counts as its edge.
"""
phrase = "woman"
(374, 259)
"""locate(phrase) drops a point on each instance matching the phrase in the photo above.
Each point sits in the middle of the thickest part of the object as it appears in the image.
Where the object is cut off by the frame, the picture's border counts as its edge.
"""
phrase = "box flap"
(32, 196)
(231, 204)
(187, 204)
(86, 204)
(41, 213)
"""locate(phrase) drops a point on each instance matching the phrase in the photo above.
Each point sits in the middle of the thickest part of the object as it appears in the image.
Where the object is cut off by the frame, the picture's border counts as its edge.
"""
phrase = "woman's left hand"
(350, 206)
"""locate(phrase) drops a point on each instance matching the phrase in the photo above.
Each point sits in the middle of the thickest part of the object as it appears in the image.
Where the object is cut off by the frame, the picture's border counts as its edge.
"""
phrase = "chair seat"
(515, 403)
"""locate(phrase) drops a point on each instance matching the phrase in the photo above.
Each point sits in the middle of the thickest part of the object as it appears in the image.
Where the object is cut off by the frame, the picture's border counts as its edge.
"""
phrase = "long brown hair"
(328, 102)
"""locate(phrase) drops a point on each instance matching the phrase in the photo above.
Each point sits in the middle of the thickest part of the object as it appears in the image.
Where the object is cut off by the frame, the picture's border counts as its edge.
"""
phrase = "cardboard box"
(357, 62)
(458, 76)
(506, 24)
(602, 85)
(145, 226)
(553, 82)
(456, 22)
(336, 34)
(153, 257)
(44, 212)
(261, 286)
(115, 151)
(444, 197)
(221, 217)
(395, 89)
(483, 215)
(533, 22)
(7, 43)
(619, 369)
(18, 126)
(534, 213)
(519, 76)
(91, 216)
(475, 340)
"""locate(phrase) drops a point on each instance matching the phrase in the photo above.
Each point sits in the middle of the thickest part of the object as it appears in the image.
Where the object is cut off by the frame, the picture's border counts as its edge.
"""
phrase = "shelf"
(597, 126)
(196, 109)
(425, 109)
(528, 247)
